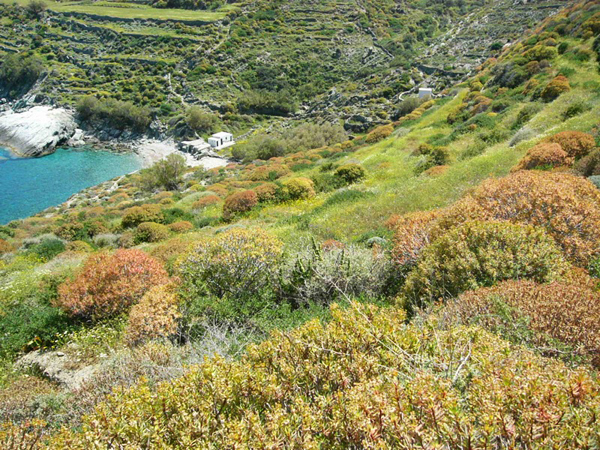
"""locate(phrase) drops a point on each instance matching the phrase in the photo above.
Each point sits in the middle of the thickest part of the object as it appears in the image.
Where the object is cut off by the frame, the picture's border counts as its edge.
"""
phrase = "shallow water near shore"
(28, 186)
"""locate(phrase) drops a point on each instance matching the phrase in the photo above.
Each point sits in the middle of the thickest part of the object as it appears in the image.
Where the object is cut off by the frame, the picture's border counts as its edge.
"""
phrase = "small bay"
(30, 185)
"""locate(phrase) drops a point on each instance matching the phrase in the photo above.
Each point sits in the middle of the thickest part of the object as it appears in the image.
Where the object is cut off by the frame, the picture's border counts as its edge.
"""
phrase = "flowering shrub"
(237, 263)
(364, 379)
(544, 155)
(206, 201)
(155, 315)
(379, 134)
(568, 312)
(299, 188)
(240, 202)
(181, 226)
(556, 87)
(151, 232)
(110, 283)
(350, 173)
(481, 254)
(135, 215)
(575, 143)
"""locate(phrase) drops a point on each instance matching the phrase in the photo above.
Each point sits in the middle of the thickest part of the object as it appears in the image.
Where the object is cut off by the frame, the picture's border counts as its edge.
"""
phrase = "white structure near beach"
(201, 148)
(221, 140)
(425, 92)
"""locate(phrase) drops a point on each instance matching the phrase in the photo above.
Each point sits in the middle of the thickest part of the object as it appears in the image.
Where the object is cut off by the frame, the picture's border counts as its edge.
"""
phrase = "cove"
(30, 185)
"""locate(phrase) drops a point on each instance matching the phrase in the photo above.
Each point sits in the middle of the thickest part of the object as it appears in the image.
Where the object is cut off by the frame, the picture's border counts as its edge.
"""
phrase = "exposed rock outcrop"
(56, 366)
(37, 131)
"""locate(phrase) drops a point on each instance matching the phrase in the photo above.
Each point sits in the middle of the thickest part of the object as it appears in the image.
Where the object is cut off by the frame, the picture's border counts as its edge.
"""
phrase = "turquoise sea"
(30, 185)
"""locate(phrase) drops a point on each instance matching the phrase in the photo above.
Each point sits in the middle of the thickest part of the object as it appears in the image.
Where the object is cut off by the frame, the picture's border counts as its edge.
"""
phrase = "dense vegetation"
(432, 282)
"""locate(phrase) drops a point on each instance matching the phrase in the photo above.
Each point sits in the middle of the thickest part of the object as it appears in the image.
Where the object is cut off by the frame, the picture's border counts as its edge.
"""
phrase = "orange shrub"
(239, 202)
(155, 316)
(556, 87)
(544, 155)
(379, 134)
(181, 227)
(412, 234)
(332, 244)
(109, 284)
(219, 190)
(5, 247)
(575, 143)
(269, 172)
(206, 201)
(567, 206)
(168, 251)
(560, 310)
(436, 171)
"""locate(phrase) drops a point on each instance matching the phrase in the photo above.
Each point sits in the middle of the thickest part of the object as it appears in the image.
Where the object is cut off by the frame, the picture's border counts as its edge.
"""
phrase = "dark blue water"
(28, 186)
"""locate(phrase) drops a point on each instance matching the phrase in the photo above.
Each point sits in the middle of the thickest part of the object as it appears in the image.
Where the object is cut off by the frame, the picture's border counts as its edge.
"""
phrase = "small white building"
(425, 92)
(221, 140)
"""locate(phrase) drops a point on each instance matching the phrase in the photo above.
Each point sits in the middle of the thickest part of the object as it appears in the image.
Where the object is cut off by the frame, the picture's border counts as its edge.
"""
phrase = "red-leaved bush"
(566, 311)
(240, 202)
(545, 156)
(575, 143)
(109, 284)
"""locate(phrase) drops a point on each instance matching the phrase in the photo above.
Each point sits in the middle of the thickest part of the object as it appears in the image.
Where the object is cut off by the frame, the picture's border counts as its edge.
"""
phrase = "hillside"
(431, 282)
(248, 61)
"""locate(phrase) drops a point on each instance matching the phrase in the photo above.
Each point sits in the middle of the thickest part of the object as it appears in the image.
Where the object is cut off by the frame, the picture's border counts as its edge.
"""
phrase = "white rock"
(37, 131)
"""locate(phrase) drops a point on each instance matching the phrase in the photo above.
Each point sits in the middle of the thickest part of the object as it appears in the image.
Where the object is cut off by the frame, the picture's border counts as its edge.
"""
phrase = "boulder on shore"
(37, 131)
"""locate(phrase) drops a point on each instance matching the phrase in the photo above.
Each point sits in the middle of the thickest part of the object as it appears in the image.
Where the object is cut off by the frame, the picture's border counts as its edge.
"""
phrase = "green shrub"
(29, 325)
(323, 276)
(237, 263)
(166, 173)
(350, 173)
(298, 188)
(135, 215)
(118, 114)
(481, 254)
(48, 248)
(199, 120)
(526, 114)
(151, 232)
(19, 72)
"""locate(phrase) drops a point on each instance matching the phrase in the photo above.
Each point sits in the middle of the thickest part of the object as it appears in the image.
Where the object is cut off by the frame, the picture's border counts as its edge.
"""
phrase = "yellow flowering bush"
(238, 263)
(366, 379)
(482, 254)
(155, 315)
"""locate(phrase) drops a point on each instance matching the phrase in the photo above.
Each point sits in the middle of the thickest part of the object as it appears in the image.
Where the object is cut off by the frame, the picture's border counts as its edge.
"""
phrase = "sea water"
(30, 185)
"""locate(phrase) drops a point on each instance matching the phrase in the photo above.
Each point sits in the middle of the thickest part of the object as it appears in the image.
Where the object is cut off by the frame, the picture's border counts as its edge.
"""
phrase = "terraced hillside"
(338, 60)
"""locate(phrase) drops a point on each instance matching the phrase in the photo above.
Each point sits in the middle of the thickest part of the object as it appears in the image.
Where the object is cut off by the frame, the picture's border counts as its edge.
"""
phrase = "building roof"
(222, 134)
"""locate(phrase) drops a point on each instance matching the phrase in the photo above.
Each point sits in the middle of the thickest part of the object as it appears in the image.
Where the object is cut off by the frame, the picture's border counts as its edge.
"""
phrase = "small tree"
(166, 173)
(36, 8)
(200, 121)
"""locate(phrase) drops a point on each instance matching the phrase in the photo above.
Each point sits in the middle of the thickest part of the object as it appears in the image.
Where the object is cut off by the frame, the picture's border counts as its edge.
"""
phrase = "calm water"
(28, 186)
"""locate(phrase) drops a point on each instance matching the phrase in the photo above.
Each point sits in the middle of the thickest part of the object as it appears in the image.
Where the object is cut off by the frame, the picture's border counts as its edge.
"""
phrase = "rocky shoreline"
(39, 130)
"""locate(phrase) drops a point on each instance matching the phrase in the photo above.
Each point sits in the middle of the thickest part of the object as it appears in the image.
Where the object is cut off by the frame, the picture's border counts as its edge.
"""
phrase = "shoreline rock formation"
(36, 131)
